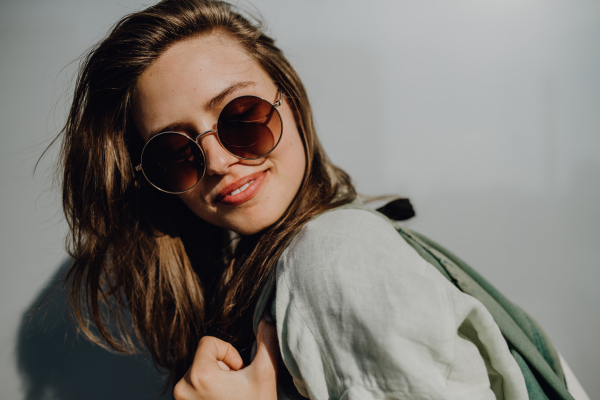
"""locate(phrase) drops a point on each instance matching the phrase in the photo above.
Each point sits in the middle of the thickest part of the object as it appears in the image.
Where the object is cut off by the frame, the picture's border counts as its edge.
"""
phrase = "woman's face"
(184, 91)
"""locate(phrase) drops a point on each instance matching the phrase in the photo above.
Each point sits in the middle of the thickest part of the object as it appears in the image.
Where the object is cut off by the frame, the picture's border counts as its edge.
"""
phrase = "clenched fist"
(218, 371)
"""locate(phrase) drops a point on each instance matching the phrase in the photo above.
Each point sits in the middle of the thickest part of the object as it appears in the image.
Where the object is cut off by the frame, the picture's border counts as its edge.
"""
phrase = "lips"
(241, 190)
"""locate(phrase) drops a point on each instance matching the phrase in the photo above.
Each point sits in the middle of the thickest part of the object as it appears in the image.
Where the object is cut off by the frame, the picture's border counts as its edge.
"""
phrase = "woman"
(188, 126)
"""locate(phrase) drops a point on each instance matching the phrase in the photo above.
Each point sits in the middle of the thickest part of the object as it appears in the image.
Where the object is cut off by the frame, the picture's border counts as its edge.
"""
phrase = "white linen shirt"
(360, 315)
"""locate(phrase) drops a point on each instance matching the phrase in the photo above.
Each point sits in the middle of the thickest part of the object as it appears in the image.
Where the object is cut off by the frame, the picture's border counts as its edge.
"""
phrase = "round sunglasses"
(248, 127)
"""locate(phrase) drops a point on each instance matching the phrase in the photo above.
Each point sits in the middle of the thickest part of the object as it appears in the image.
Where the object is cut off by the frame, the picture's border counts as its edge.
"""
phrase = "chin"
(247, 229)
(246, 232)
(250, 225)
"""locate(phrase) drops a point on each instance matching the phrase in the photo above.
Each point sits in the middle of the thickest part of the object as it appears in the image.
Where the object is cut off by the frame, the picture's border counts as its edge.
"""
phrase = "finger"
(215, 352)
(267, 350)
(183, 390)
(266, 338)
(223, 366)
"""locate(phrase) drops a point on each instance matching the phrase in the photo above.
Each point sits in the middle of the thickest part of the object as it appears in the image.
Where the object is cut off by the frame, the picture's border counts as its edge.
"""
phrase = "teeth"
(241, 189)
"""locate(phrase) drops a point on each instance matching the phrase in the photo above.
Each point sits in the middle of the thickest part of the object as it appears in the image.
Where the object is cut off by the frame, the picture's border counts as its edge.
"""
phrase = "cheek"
(195, 202)
(294, 152)
(296, 160)
(300, 164)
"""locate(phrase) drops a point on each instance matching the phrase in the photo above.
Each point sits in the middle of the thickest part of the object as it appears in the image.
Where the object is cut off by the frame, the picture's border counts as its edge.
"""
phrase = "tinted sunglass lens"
(249, 127)
(173, 162)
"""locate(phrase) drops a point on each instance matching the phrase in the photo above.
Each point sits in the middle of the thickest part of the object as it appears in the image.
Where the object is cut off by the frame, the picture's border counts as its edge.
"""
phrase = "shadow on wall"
(57, 364)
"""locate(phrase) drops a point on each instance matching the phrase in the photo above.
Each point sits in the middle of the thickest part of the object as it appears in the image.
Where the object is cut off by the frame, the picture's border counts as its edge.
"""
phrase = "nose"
(218, 159)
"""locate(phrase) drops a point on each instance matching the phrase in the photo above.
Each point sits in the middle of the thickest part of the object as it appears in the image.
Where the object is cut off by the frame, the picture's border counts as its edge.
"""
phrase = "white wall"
(485, 114)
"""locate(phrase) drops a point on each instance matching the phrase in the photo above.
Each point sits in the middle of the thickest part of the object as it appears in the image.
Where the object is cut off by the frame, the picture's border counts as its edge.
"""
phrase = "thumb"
(267, 349)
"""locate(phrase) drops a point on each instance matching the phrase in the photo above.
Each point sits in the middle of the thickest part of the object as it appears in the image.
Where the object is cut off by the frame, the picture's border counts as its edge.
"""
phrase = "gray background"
(485, 114)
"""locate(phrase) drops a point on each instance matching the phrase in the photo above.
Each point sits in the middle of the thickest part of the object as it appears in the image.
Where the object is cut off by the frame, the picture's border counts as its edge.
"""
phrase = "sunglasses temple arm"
(278, 102)
(269, 116)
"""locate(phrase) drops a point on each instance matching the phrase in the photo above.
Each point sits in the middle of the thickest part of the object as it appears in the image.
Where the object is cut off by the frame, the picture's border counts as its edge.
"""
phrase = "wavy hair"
(135, 277)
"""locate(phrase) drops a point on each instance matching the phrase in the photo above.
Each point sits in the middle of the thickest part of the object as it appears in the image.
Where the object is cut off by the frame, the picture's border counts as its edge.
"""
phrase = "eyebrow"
(209, 105)
(215, 101)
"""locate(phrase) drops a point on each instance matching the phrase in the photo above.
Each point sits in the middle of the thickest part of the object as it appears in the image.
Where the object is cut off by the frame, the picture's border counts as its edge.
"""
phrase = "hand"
(218, 371)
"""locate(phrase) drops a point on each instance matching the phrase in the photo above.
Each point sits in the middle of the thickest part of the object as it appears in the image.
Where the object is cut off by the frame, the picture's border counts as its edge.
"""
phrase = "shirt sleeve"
(360, 315)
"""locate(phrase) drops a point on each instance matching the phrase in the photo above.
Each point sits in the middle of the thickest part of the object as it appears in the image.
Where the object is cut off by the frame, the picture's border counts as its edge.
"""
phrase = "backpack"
(528, 343)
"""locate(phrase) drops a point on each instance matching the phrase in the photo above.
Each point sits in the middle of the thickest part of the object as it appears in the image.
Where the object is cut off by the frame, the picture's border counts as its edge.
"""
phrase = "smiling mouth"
(242, 190)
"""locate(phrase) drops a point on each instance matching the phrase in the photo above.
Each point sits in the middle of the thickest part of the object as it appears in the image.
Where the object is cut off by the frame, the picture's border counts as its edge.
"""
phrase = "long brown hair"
(135, 278)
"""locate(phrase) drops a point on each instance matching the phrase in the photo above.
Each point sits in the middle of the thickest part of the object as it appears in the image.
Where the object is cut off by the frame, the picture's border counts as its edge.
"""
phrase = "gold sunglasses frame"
(196, 141)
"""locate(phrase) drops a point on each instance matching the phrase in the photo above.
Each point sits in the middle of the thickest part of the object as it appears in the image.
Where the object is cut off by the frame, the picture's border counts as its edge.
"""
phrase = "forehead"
(187, 75)
(201, 62)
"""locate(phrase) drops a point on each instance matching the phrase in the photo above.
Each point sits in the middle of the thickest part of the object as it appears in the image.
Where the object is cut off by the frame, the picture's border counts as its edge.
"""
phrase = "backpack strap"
(530, 327)
(529, 344)
(527, 341)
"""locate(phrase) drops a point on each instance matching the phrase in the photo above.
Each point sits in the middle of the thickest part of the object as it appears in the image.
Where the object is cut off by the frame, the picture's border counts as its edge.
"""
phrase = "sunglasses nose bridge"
(197, 139)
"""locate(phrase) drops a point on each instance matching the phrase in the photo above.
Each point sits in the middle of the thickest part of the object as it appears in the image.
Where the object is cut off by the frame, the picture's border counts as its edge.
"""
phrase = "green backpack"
(528, 343)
